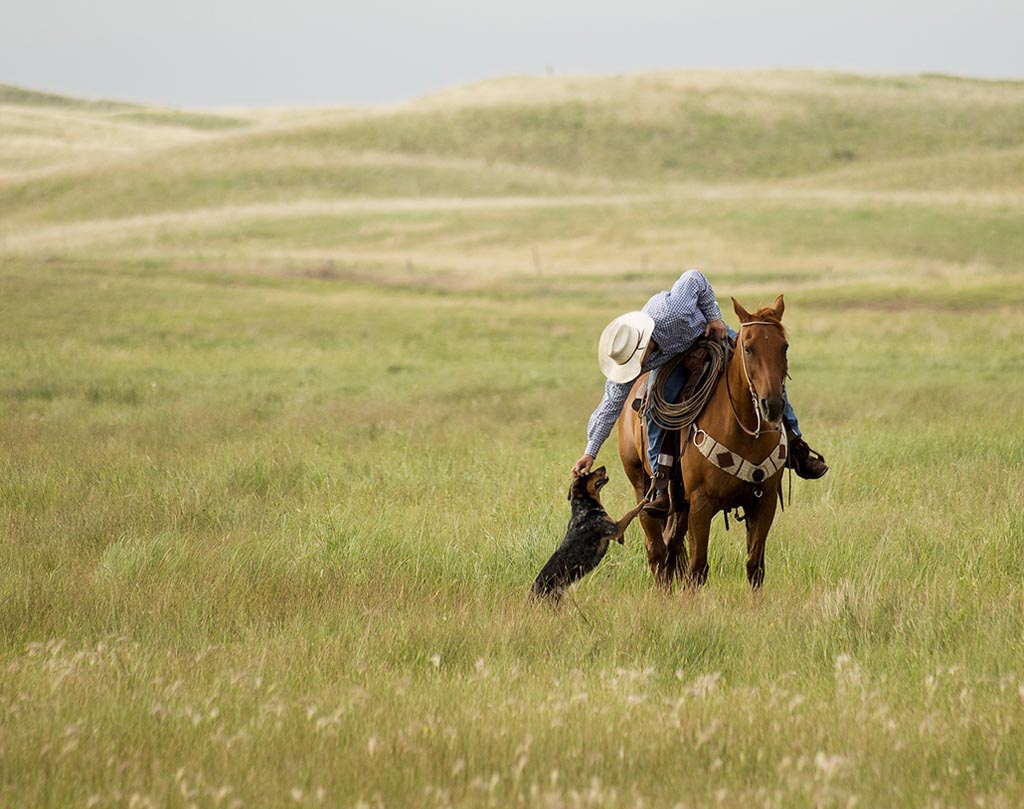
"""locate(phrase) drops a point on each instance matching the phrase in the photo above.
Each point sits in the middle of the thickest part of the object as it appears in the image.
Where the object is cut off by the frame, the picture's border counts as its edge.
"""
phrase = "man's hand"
(582, 466)
(716, 328)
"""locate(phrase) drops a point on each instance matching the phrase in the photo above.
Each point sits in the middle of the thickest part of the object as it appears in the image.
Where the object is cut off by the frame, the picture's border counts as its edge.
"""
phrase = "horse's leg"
(675, 532)
(666, 553)
(632, 449)
(759, 522)
(699, 529)
(657, 552)
(654, 530)
(658, 557)
(675, 544)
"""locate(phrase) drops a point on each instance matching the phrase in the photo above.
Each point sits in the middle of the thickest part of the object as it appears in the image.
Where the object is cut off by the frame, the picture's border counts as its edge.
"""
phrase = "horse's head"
(762, 347)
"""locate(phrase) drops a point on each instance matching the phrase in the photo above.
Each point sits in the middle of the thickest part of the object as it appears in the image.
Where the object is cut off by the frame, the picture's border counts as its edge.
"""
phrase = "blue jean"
(673, 387)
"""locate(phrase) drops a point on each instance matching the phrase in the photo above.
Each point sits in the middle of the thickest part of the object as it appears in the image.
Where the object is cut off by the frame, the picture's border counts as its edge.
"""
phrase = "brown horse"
(732, 458)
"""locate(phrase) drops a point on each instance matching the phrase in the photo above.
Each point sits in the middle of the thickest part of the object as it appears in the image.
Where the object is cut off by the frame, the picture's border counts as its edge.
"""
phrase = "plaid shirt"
(680, 317)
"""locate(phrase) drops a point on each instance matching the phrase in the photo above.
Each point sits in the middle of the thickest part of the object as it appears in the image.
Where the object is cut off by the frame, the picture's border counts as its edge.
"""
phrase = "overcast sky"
(206, 53)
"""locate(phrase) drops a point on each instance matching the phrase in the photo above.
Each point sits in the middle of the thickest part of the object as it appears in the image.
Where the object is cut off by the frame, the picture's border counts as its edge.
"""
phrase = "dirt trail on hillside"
(76, 234)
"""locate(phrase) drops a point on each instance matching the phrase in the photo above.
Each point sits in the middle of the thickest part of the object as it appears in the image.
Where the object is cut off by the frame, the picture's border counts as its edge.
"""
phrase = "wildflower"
(704, 685)
(828, 765)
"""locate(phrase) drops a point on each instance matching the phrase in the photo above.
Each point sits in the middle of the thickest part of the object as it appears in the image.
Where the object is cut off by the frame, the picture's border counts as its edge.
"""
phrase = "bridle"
(756, 432)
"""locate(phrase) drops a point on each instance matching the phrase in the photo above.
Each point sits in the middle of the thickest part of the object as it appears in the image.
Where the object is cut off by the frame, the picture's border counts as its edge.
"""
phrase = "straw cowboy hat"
(622, 345)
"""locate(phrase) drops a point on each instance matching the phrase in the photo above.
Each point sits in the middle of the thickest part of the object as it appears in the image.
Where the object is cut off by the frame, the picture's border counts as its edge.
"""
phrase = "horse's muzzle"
(772, 407)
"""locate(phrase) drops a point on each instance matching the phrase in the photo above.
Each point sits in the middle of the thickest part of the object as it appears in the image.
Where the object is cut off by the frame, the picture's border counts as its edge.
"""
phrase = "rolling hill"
(518, 137)
(571, 174)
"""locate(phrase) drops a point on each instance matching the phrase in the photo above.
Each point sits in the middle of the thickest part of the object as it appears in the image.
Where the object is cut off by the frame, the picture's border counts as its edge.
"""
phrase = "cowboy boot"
(657, 504)
(803, 460)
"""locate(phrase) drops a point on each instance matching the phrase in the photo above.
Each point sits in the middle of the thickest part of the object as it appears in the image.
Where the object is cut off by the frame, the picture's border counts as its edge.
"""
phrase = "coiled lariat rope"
(680, 415)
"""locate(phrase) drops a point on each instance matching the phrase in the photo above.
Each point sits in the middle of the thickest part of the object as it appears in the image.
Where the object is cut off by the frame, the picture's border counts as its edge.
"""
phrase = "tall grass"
(268, 522)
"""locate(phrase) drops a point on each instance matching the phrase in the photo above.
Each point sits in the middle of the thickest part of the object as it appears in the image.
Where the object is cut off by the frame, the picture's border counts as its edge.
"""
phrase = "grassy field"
(289, 403)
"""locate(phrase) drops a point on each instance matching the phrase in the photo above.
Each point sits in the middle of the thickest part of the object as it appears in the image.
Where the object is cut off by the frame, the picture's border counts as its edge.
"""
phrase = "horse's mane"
(767, 314)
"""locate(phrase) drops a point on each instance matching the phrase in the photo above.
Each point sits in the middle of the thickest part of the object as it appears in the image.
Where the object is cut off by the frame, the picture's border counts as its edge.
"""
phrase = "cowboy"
(669, 324)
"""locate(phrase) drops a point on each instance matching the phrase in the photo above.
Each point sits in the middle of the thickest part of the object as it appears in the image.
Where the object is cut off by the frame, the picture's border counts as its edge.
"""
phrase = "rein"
(756, 432)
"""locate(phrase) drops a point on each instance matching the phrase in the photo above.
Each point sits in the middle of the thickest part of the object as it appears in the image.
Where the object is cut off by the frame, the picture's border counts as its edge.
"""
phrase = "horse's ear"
(741, 313)
(779, 307)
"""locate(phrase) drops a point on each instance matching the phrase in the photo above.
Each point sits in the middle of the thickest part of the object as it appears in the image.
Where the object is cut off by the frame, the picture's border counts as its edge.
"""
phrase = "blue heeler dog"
(586, 538)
